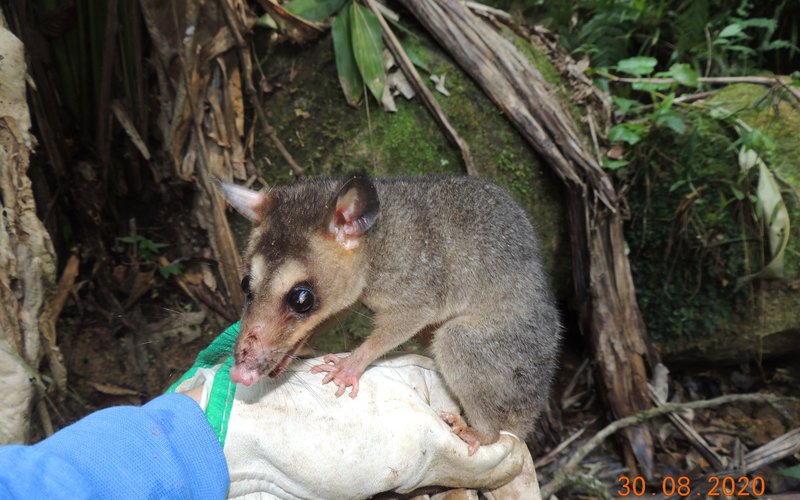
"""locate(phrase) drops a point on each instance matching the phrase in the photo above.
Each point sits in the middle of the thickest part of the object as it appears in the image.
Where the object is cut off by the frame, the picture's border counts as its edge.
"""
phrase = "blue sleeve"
(164, 449)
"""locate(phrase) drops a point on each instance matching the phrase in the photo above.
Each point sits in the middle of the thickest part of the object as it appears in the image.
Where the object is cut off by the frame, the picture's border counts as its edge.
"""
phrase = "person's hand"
(292, 438)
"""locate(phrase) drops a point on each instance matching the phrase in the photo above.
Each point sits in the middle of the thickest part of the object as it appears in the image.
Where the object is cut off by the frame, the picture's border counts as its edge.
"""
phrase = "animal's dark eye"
(246, 287)
(300, 298)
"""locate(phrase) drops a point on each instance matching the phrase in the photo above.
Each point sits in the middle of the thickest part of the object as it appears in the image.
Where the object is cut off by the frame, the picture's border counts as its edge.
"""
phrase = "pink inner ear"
(356, 210)
(347, 207)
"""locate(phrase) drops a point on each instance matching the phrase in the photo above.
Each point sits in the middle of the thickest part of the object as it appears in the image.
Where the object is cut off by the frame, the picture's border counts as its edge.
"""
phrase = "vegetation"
(697, 233)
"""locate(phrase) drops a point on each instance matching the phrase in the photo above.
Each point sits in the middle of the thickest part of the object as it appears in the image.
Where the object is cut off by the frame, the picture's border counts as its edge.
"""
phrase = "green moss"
(539, 60)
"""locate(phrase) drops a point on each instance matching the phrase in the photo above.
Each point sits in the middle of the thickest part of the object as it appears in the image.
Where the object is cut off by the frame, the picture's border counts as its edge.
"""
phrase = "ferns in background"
(720, 37)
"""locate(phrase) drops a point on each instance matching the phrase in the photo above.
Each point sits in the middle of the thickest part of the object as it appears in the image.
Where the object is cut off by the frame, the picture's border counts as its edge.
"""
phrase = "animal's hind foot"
(462, 430)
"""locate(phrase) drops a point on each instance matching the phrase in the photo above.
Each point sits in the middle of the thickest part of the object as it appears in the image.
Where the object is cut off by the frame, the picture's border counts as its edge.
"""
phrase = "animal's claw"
(462, 430)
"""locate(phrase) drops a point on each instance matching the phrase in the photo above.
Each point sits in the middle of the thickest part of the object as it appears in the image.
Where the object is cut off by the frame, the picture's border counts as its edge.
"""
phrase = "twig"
(65, 284)
(483, 10)
(44, 417)
(252, 93)
(541, 462)
(692, 435)
(567, 393)
(411, 73)
(561, 477)
(713, 80)
(783, 81)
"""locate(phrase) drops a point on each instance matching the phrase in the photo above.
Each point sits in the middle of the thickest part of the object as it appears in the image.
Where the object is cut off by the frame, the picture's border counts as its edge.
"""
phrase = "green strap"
(223, 390)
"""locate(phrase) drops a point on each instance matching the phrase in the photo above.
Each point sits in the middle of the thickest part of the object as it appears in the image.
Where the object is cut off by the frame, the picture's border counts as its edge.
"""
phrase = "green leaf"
(349, 77)
(625, 132)
(672, 121)
(685, 75)
(650, 86)
(266, 21)
(773, 212)
(731, 30)
(637, 66)
(759, 22)
(675, 185)
(624, 105)
(171, 269)
(793, 471)
(419, 56)
(614, 164)
(368, 48)
(314, 10)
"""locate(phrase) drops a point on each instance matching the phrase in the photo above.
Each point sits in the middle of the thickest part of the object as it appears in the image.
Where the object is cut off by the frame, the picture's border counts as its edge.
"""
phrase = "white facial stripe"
(286, 276)
(258, 272)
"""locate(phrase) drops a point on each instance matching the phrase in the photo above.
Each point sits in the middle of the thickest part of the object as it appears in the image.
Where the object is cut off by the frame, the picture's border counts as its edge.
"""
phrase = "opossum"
(453, 254)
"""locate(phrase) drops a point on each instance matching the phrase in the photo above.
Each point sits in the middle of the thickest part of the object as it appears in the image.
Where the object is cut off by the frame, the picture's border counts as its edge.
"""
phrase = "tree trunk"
(27, 260)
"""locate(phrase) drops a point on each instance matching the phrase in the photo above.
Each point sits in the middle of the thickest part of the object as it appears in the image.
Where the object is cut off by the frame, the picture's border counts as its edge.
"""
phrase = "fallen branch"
(561, 477)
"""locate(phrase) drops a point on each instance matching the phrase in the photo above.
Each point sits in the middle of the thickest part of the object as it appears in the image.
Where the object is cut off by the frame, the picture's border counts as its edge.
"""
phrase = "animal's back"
(464, 248)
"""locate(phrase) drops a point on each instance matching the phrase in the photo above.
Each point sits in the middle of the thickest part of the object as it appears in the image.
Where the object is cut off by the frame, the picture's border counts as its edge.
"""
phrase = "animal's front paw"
(342, 372)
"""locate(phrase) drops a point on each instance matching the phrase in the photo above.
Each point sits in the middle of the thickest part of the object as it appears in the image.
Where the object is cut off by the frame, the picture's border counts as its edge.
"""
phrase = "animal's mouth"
(285, 360)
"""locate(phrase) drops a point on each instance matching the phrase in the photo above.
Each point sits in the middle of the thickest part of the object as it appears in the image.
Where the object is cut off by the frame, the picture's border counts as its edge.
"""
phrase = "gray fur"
(464, 248)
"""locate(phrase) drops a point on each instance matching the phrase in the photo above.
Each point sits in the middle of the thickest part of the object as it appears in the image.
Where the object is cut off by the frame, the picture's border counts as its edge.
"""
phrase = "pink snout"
(241, 374)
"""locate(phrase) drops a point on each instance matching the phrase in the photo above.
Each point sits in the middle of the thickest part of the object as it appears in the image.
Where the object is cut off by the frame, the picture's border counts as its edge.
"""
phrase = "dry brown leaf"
(236, 98)
(114, 390)
(188, 164)
(218, 129)
(399, 83)
(124, 119)
(222, 42)
(616, 152)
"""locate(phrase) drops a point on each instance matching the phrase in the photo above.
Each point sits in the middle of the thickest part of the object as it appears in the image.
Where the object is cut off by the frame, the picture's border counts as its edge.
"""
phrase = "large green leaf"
(314, 10)
(685, 75)
(368, 48)
(349, 77)
(774, 214)
(637, 66)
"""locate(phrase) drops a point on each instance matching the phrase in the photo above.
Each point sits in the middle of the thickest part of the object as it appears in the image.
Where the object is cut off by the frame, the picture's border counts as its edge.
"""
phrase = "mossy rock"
(694, 233)
(327, 137)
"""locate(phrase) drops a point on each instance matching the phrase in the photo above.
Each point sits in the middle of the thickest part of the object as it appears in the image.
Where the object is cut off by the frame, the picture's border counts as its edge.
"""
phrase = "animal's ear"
(355, 210)
(251, 204)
